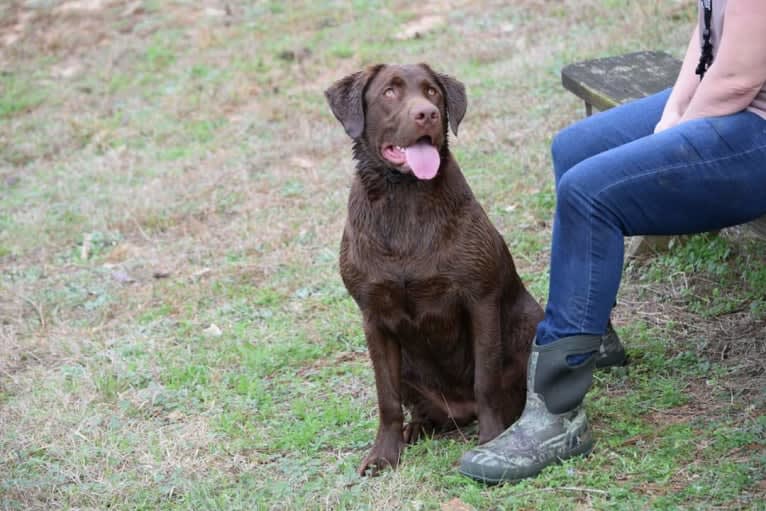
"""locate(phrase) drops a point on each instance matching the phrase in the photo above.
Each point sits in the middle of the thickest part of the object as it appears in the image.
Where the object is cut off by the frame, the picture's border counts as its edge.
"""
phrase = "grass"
(18, 96)
(174, 331)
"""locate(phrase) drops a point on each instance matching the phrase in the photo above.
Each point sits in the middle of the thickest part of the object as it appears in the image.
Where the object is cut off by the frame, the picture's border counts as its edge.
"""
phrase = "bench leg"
(643, 246)
(588, 109)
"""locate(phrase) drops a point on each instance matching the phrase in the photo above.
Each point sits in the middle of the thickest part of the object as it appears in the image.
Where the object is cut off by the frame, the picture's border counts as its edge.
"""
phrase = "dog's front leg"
(488, 368)
(385, 353)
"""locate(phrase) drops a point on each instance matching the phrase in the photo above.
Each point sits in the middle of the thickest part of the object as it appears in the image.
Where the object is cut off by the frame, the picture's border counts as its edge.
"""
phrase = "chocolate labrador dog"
(447, 320)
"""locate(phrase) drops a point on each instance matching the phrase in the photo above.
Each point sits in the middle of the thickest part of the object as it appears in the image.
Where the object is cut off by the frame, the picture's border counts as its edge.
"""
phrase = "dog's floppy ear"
(454, 97)
(346, 99)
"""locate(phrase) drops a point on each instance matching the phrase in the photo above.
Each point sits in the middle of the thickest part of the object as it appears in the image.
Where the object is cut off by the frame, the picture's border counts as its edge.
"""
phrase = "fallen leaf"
(122, 277)
(215, 13)
(121, 252)
(420, 26)
(201, 273)
(213, 331)
(67, 69)
(133, 8)
(85, 249)
(456, 505)
(304, 163)
(175, 416)
(81, 6)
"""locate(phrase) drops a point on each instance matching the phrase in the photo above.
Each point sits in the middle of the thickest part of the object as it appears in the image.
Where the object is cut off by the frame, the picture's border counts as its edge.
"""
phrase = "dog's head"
(400, 113)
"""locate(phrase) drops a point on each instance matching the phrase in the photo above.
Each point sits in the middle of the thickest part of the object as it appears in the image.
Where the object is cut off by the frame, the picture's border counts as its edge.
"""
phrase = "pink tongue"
(423, 159)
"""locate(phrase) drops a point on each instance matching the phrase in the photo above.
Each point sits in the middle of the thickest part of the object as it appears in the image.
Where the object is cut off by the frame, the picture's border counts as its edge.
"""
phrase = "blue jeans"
(615, 178)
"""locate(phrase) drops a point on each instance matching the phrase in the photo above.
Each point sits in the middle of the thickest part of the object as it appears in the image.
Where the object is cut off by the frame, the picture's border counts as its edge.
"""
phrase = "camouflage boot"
(552, 427)
(611, 353)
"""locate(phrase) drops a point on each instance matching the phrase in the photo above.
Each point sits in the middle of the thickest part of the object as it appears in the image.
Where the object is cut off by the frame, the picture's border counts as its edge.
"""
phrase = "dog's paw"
(384, 454)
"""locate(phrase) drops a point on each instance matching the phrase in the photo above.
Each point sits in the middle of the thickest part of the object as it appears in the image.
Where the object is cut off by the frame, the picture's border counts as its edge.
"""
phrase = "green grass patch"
(716, 265)
(19, 95)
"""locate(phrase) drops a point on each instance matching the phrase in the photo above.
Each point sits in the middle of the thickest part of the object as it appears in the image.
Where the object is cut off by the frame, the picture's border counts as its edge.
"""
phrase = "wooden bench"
(608, 82)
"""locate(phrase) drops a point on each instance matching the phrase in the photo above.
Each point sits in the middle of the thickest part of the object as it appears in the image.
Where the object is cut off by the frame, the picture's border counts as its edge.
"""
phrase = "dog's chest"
(402, 303)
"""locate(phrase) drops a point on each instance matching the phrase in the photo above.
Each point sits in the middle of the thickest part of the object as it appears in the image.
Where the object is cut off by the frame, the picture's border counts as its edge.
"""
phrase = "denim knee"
(560, 148)
(567, 150)
(573, 196)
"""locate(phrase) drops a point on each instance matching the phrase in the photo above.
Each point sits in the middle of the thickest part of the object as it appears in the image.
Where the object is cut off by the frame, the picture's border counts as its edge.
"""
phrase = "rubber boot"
(611, 353)
(553, 426)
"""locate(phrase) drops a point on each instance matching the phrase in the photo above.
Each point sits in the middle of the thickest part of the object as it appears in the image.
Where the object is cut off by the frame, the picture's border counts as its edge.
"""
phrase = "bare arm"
(685, 86)
(739, 69)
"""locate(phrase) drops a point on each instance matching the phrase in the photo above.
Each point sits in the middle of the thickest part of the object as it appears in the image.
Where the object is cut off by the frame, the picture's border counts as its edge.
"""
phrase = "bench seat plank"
(610, 81)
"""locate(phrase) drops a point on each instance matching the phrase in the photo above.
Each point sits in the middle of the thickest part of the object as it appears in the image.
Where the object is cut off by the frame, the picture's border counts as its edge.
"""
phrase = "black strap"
(706, 55)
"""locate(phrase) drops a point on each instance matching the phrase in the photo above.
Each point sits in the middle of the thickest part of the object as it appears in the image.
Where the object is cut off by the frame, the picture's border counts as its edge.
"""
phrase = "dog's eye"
(431, 91)
(389, 92)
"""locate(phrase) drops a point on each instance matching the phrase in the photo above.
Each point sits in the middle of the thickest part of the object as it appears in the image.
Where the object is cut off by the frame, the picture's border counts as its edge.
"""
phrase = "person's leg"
(591, 136)
(699, 176)
(604, 131)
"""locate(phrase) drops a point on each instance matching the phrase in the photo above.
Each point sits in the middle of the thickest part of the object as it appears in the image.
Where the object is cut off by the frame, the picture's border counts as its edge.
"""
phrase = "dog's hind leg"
(418, 428)
(432, 412)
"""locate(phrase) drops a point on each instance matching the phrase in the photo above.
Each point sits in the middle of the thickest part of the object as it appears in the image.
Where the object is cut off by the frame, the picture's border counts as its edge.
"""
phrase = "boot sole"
(621, 360)
(531, 471)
